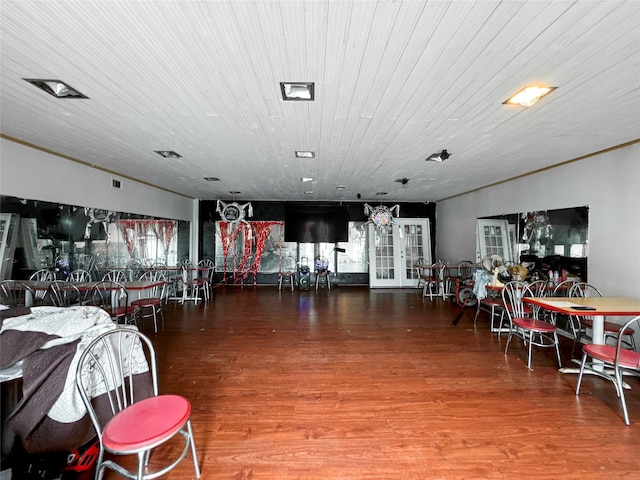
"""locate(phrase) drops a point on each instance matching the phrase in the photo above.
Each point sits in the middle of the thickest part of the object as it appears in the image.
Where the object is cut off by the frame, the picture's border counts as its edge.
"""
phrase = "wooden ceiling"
(395, 81)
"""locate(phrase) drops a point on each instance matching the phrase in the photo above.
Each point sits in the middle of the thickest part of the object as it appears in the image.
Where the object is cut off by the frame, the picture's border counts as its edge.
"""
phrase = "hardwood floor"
(355, 383)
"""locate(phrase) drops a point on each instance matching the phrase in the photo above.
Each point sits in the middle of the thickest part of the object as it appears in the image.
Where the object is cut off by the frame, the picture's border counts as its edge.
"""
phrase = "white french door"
(392, 256)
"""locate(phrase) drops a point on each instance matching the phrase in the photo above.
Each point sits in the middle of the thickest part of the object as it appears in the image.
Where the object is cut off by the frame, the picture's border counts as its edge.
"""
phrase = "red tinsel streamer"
(242, 271)
(129, 238)
(262, 230)
(254, 246)
(135, 232)
(225, 240)
(163, 229)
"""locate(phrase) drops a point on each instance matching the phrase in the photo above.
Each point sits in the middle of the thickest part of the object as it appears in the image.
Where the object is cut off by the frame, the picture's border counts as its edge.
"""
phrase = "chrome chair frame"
(14, 293)
(617, 358)
(112, 297)
(64, 294)
(150, 306)
(524, 324)
(112, 359)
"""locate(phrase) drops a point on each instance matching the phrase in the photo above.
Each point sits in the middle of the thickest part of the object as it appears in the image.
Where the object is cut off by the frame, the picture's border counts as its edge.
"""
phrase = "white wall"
(609, 184)
(29, 173)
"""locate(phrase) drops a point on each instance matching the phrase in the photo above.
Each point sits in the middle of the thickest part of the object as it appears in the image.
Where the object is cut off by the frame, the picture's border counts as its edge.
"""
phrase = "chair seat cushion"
(607, 353)
(492, 302)
(534, 324)
(119, 311)
(608, 326)
(147, 302)
(146, 423)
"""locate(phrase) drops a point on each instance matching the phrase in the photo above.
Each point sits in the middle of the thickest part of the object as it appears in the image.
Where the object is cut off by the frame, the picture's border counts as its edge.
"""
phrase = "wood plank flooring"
(355, 383)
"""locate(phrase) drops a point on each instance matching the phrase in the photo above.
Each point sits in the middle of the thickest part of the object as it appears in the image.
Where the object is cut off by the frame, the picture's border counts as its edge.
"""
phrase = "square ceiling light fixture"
(300, 91)
(438, 156)
(528, 96)
(305, 154)
(57, 88)
(212, 179)
(168, 154)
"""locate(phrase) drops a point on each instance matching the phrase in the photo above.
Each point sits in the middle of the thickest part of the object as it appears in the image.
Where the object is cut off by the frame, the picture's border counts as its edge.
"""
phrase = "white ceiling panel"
(395, 81)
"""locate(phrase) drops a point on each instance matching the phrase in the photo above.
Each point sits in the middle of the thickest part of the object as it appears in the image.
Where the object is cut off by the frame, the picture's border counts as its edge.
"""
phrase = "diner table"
(595, 307)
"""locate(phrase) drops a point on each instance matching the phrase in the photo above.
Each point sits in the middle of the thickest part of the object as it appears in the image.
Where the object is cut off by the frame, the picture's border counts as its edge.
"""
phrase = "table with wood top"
(599, 308)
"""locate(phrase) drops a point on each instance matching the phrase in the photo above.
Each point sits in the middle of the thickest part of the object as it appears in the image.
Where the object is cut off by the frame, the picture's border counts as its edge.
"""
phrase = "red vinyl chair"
(131, 418)
(531, 330)
(616, 358)
(112, 297)
(150, 306)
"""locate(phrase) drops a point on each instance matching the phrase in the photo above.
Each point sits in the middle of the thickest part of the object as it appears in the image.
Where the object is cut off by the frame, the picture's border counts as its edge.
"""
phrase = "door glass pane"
(413, 248)
(384, 254)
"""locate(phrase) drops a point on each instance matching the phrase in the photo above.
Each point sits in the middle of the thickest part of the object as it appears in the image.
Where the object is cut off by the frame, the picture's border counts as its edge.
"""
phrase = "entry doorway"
(394, 252)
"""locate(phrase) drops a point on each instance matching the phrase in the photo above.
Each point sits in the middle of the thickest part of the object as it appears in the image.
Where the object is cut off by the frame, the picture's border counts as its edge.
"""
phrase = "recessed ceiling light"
(341, 187)
(57, 88)
(297, 91)
(438, 157)
(167, 154)
(305, 154)
(309, 192)
(307, 179)
(528, 96)
(212, 179)
(235, 192)
(381, 194)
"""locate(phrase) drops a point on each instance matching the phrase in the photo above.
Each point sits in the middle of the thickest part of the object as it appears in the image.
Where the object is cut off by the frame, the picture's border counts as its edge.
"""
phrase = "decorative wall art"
(382, 216)
(234, 214)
